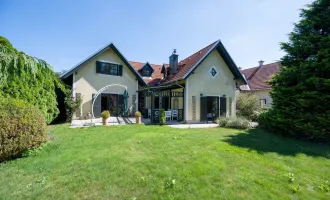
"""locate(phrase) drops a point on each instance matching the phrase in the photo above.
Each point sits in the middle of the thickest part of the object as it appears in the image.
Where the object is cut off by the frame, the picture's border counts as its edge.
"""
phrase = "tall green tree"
(301, 91)
(29, 79)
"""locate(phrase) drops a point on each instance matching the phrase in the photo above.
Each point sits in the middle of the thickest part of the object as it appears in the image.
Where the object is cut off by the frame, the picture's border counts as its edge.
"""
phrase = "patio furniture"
(149, 113)
(175, 114)
(168, 114)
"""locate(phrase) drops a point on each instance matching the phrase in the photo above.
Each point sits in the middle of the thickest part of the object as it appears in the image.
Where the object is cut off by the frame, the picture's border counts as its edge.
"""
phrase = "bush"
(237, 123)
(29, 79)
(162, 119)
(72, 105)
(22, 127)
(105, 114)
(247, 106)
(137, 114)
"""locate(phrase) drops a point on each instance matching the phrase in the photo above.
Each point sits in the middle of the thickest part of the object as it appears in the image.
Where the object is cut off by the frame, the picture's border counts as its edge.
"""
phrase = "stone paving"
(112, 121)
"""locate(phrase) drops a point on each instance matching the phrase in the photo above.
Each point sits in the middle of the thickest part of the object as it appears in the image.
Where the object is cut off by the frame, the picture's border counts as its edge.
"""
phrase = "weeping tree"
(29, 79)
(301, 91)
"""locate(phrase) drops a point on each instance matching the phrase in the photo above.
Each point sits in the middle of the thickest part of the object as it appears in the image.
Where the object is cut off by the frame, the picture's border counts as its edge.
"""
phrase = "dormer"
(146, 70)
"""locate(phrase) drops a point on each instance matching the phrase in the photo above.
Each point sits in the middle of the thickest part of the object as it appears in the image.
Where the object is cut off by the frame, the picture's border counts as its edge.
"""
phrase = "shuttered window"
(109, 68)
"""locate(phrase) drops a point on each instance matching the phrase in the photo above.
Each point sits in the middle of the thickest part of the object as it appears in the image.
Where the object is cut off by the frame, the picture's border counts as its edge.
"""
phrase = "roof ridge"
(253, 73)
(198, 51)
(263, 65)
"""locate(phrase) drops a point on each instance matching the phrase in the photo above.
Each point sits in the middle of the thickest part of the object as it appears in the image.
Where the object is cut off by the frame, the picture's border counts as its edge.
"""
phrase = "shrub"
(247, 105)
(137, 114)
(105, 114)
(162, 119)
(237, 123)
(72, 105)
(22, 127)
(29, 79)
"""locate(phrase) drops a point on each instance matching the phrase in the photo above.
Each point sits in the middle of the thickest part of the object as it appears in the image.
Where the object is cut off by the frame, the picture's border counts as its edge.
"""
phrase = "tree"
(301, 91)
(29, 79)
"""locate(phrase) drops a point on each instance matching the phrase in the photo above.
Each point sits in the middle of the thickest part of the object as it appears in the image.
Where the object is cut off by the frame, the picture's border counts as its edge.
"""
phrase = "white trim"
(214, 95)
(136, 97)
(216, 71)
(73, 84)
(108, 75)
(111, 93)
(186, 98)
(234, 101)
(200, 60)
(211, 95)
(110, 62)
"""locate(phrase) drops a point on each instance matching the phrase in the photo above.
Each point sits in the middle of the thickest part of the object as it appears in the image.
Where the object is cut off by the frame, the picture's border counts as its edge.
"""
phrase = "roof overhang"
(225, 56)
(109, 46)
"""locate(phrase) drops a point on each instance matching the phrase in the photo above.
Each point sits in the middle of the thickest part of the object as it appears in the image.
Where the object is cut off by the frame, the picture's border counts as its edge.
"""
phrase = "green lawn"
(140, 162)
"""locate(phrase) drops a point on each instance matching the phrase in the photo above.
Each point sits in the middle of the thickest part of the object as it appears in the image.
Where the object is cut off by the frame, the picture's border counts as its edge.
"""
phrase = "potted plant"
(105, 115)
(138, 117)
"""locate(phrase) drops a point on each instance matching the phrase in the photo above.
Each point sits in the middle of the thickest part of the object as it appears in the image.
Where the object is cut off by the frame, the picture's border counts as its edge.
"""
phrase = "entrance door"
(209, 108)
(110, 102)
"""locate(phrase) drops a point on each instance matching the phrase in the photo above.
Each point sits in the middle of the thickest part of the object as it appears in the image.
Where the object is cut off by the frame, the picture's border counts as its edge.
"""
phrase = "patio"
(170, 98)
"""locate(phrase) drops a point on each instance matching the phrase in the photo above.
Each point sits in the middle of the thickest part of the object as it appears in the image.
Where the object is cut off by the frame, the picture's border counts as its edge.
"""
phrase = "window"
(146, 72)
(108, 68)
(262, 103)
(213, 72)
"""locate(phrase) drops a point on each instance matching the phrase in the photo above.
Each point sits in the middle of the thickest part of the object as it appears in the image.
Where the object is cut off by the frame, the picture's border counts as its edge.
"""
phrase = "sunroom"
(169, 98)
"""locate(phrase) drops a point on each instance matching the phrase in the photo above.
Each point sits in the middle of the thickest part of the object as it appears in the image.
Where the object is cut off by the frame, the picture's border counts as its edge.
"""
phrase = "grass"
(158, 162)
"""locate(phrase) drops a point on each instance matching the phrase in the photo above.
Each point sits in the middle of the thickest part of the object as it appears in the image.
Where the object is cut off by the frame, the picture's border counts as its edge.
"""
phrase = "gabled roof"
(156, 75)
(109, 46)
(146, 65)
(257, 77)
(185, 67)
(188, 65)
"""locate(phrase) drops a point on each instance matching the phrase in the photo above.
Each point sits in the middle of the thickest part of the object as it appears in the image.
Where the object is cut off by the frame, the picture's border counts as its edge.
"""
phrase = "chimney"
(261, 62)
(174, 62)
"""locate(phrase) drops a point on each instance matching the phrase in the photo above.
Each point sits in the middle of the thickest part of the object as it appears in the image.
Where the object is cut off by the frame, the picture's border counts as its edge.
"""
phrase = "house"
(200, 87)
(257, 78)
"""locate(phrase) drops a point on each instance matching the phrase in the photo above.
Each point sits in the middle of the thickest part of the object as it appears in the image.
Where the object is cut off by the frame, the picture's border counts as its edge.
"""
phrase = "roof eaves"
(232, 65)
(127, 63)
(70, 71)
(201, 60)
(111, 45)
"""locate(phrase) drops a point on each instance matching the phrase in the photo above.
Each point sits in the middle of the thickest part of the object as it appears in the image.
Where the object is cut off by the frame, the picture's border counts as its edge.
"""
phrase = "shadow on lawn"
(266, 142)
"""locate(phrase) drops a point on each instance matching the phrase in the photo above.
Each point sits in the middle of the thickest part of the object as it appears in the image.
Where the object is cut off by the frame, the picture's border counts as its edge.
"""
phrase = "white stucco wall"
(87, 81)
(201, 82)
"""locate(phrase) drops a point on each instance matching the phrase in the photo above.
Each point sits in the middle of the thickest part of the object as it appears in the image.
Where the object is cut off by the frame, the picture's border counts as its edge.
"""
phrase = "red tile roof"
(187, 64)
(184, 66)
(257, 76)
(156, 76)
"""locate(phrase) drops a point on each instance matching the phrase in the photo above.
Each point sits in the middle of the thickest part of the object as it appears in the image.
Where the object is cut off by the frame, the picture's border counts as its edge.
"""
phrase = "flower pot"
(105, 121)
(138, 120)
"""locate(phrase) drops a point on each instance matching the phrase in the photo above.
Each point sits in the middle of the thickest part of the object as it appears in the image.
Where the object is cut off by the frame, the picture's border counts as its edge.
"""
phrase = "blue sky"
(65, 32)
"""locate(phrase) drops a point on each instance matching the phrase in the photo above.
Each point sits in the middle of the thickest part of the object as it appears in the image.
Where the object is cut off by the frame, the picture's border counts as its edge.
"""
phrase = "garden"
(286, 157)
(159, 162)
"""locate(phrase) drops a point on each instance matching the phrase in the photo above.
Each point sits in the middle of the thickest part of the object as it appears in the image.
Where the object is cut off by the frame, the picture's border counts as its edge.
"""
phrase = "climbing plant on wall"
(29, 79)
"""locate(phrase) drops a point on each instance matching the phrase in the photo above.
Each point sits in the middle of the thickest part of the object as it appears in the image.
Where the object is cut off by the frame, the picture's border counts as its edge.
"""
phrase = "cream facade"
(201, 83)
(203, 91)
(263, 96)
